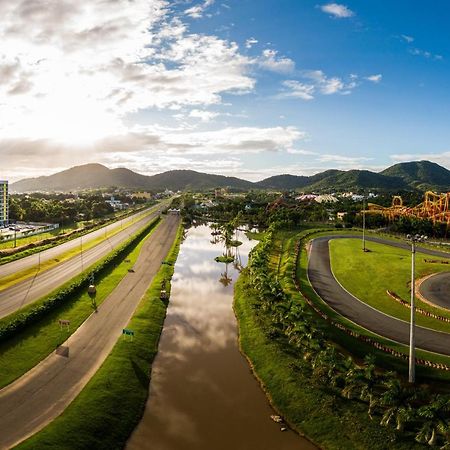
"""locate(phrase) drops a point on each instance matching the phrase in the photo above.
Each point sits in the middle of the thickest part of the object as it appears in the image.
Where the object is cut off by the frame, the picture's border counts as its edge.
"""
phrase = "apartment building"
(4, 204)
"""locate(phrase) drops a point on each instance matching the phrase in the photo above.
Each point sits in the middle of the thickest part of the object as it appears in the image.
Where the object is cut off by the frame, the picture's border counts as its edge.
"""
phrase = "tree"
(435, 416)
(398, 402)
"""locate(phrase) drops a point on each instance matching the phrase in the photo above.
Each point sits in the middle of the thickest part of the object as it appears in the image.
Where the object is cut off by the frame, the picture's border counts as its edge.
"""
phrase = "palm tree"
(328, 365)
(369, 390)
(398, 402)
(435, 419)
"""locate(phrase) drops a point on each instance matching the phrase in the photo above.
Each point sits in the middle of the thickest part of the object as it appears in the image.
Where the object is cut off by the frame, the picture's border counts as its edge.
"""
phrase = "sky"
(247, 88)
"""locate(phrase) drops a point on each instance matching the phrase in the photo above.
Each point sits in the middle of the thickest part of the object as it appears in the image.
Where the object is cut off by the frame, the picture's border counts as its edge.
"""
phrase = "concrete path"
(38, 397)
(327, 287)
(42, 283)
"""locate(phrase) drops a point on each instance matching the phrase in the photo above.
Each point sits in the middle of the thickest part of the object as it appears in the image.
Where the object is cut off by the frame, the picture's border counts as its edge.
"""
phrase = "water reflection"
(202, 393)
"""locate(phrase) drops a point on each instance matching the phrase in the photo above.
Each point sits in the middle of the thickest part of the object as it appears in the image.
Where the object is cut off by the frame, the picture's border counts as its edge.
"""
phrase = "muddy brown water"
(202, 392)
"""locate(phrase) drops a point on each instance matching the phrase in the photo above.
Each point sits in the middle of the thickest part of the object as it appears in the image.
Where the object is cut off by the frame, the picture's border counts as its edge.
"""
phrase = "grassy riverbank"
(311, 408)
(110, 406)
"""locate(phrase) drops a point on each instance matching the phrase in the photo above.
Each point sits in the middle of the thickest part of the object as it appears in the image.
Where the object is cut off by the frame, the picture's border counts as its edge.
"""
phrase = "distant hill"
(422, 175)
(403, 176)
(95, 176)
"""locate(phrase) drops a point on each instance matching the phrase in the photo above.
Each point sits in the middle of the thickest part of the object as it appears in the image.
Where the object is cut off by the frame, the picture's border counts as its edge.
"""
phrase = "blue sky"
(248, 88)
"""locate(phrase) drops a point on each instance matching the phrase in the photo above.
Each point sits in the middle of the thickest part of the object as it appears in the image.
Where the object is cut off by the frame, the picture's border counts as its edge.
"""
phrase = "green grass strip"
(112, 403)
(36, 341)
(310, 408)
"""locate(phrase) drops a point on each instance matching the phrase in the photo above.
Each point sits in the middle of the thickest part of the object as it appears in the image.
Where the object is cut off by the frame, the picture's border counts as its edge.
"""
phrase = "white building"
(4, 203)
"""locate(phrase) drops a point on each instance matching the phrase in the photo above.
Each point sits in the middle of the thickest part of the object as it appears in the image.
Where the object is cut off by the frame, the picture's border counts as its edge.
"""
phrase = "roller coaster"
(435, 207)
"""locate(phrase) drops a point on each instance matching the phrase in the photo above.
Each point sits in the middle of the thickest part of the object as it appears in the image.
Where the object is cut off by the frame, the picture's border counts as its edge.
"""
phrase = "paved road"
(52, 253)
(35, 399)
(42, 283)
(436, 289)
(323, 281)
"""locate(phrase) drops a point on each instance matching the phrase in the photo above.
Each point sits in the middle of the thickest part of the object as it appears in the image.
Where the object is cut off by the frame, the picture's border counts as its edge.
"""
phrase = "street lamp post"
(364, 224)
(412, 331)
(81, 252)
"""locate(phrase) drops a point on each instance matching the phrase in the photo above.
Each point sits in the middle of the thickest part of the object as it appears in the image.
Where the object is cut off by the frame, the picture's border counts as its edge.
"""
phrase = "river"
(203, 395)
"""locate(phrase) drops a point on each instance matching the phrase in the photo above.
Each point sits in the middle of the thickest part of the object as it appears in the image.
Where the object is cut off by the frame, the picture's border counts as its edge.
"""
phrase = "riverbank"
(310, 406)
(109, 407)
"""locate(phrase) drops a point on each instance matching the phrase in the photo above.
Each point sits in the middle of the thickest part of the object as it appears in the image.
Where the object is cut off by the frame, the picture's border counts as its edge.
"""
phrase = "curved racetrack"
(436, 289)
(339, 299)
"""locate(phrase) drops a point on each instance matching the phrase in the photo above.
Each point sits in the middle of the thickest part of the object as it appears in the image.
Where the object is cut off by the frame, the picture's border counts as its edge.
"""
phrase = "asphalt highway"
(52, 253)
(328, 288)
(436, 289)
(42, 283)
(38, 397)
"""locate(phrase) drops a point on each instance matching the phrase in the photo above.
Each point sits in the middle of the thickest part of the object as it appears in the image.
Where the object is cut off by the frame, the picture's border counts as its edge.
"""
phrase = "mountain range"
(415, 175)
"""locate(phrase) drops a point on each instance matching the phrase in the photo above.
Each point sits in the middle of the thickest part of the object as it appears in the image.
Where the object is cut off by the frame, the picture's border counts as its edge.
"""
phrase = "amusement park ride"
(435, 207)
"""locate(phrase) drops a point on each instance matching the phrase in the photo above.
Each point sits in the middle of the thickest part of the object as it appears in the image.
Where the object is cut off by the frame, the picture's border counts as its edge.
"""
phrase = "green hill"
(418, 175)
(422, 175)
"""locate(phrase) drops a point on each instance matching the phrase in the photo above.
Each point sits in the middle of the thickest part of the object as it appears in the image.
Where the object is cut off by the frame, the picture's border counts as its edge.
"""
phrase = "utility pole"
(364, 224)
(81, 252)
(412, 325)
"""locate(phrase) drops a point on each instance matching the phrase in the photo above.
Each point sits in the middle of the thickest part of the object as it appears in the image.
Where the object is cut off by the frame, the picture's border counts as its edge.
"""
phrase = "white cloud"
(344, 161)
(337, 10)
(83, 67)
(407, 38)
(375, 78)
(298, 90)
(330, 85)
(270, 61)
(425, 54)
(204, 116)
(196, 12)
(146, 145)
(293, 151)
(249, 43)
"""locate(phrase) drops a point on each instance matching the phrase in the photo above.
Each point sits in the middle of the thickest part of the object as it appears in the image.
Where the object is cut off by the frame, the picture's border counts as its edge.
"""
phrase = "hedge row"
(21, 321)
(419, 310)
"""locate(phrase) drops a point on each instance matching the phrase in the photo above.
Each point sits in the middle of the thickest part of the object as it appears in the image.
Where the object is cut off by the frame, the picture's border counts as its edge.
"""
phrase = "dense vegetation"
(61, 208)
(415, 412)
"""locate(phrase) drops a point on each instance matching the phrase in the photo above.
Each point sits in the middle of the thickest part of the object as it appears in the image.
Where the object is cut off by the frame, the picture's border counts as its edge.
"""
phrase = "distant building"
(341, 215)
(4, 203)
(116, 204)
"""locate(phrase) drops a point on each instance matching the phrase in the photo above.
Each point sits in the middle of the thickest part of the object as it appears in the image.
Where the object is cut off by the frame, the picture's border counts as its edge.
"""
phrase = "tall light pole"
(412, 325)
(81, 252)
(364, 224)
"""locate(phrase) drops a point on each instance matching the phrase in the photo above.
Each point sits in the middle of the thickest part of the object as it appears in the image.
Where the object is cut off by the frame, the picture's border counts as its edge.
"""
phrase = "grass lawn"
(110, 406)
(27, 348)
(368, 276)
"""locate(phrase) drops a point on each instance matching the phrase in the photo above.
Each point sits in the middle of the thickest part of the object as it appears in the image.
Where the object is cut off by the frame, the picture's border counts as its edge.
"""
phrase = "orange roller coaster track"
(435, 207)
